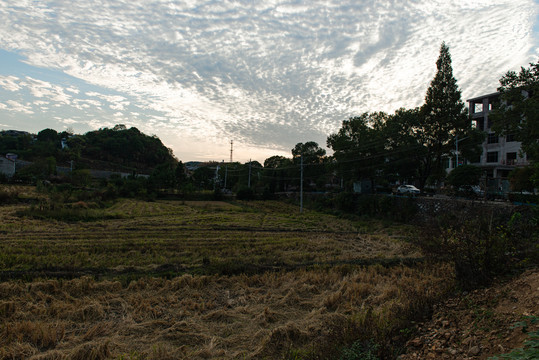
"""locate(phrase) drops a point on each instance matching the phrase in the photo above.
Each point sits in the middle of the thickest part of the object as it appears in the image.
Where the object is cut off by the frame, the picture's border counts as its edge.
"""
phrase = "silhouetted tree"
(442, 119)
(518, 111)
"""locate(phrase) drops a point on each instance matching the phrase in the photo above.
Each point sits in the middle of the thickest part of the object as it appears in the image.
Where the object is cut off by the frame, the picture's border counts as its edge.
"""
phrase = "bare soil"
(479, 325)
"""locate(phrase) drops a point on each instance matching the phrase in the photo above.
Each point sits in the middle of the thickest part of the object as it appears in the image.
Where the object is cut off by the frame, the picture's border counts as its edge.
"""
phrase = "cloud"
(267, 74)
(10, 83)
(15, 106)
(46, 90)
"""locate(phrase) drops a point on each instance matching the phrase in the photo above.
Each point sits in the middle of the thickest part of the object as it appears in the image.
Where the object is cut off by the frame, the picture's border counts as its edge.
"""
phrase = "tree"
(464, 175)
(277, 172)
(518, 110)
(403, 151)
(442, 119)
(48, 135)
(164, 176)
(311, 152)
(522, 178)
(47, 144)
(359, 146)
(314, 160)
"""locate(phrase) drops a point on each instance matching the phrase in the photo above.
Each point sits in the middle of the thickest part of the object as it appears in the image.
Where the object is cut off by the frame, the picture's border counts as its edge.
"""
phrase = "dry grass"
(190, 235)
(260, 315)
(201, 317)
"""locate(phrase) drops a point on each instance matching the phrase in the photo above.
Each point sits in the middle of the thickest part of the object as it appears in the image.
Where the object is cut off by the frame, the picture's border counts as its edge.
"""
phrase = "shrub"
(482, 244)
(245, 193)
(8, 196)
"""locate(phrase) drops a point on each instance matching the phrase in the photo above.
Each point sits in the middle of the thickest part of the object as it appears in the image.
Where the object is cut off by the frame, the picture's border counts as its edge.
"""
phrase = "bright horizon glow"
(266, 75)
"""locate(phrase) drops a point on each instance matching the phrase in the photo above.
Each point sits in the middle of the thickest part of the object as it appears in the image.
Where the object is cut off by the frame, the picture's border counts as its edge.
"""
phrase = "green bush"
(245, 193)
(482, 244)
(531, 345)
(524, 198)
(360, 351)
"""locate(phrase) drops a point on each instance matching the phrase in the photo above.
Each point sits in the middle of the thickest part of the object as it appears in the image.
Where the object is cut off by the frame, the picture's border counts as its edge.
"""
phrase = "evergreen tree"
(443, 118)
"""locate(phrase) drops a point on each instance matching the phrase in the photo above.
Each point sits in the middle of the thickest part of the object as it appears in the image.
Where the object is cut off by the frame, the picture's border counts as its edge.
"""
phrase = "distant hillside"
(118, 148)
(126, 147)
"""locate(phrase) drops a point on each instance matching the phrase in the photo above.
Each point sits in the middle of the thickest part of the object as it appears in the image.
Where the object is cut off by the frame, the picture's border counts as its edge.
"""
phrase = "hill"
(118, 148)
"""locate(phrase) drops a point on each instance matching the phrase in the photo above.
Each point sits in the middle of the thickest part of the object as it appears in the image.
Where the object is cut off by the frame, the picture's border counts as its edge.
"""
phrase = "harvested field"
(191, 237)
(195, 280)
(196, 317)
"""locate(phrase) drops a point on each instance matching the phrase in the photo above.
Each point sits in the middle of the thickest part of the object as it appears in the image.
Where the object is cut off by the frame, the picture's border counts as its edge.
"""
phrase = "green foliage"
(411, 144)
(40, 169)
(401, 209)
(204, 178)
(518, 111)
(522, 179)
(359, 146)
(523, 198)
(314, 163)
(245, 193)
(443, 118)
(531, 345)
(464, 175)
(126, 147)
(81, 177)
(482, 244)
(277, 173)
(360, 351)
(19, 143)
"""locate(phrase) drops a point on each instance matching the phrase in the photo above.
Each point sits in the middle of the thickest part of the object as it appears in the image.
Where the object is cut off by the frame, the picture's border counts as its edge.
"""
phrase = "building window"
(510, 138)
(511, 158)
(492, 138)
(478, 108)
(492, 156)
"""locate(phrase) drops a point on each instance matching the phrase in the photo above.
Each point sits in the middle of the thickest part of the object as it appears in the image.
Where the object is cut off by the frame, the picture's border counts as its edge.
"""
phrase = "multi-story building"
(7, 166)
(501, 154)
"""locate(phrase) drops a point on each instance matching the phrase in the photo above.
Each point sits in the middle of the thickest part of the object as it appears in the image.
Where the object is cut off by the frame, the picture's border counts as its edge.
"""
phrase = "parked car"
(470, 191)
(408, 190)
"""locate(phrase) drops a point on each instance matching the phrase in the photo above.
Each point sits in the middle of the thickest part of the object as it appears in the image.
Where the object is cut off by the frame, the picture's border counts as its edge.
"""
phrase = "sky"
(263, 74)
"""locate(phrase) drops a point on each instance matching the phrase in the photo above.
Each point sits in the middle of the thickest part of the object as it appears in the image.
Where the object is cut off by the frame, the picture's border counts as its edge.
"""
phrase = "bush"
(524, 198)
(245, 193)
(381, 206)
(8, 196)
(482, 244)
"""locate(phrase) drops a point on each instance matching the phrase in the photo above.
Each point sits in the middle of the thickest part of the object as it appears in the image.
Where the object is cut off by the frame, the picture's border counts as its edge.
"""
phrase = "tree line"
(408, 146)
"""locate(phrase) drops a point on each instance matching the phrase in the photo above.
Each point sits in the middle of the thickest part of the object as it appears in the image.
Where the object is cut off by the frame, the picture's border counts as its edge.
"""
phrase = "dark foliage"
(483, 243)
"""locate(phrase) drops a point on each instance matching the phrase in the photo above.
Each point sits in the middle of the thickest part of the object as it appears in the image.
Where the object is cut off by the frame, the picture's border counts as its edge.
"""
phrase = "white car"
(408, 189)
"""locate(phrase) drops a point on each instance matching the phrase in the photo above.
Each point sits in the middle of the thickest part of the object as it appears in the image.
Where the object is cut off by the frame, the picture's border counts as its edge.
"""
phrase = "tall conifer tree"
(443, 117)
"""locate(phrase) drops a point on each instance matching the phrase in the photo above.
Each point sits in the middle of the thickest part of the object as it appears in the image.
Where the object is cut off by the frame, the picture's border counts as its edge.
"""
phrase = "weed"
(360, 351)
(531, 345)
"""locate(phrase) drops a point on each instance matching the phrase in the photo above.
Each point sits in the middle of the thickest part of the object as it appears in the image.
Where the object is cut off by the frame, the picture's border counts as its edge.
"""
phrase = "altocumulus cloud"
(267, 74)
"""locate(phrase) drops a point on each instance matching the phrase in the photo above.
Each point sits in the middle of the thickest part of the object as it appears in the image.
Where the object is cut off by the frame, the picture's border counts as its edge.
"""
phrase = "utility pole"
(301, 187)
(249, 183)
(231, 149)
(226, 175)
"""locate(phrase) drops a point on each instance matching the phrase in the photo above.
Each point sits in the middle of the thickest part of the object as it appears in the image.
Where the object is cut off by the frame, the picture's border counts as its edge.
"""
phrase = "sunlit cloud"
(15, 106)
(10, 83)
(267, 74)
